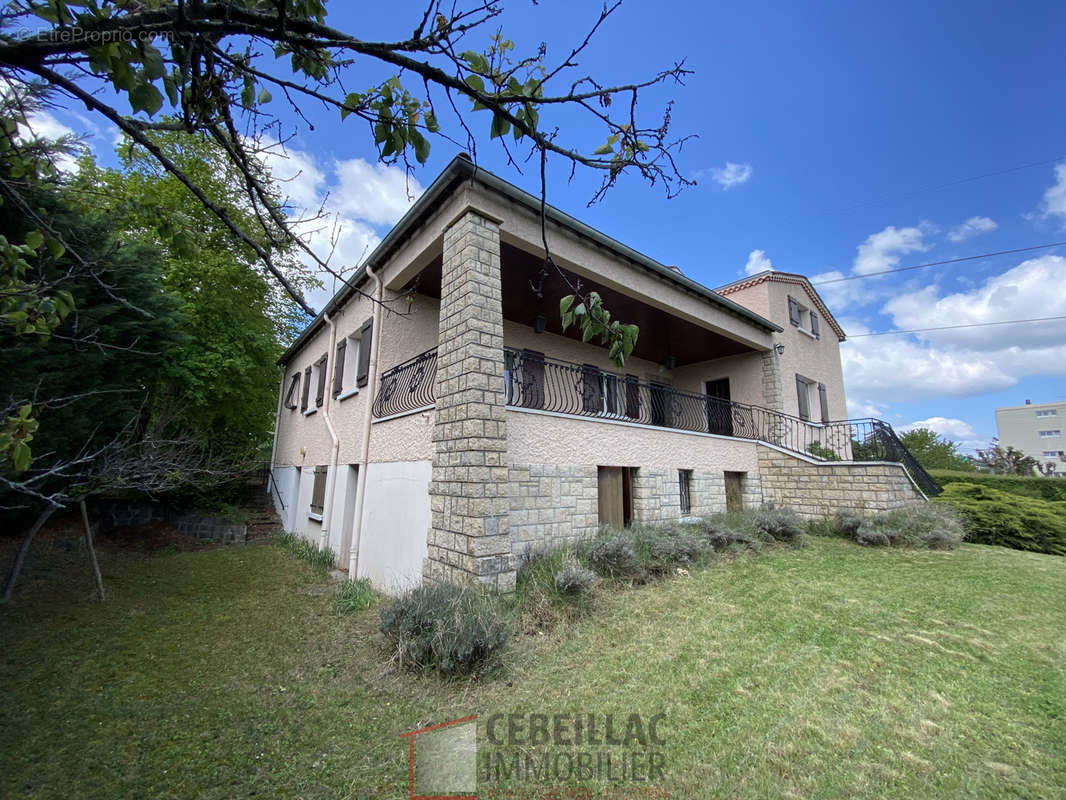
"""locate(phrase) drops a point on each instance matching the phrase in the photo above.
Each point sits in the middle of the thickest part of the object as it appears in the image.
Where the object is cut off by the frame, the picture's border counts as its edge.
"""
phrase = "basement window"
(318, 493)
(684, 480)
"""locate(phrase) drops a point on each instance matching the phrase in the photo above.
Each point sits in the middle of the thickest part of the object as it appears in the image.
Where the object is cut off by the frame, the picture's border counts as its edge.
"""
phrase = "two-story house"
(434, 421)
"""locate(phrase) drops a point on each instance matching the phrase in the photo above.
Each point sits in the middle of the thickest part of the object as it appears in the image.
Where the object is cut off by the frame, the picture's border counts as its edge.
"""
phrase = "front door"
(615, 496)
(719, 410)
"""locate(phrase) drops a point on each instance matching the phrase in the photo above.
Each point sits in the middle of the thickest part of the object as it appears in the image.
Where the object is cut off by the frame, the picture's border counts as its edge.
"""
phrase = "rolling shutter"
(338, 367)
(307, 389)
(366, 333)
(823, 401)
(793, 311)
(804, 398)
(320, 392)
(814, 324)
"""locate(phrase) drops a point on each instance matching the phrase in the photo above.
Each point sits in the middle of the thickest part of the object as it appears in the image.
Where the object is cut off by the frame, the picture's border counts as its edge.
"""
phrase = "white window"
(1050, 434)
(316, 385)
(1051, 454)
(1047, 413)
(349, 367)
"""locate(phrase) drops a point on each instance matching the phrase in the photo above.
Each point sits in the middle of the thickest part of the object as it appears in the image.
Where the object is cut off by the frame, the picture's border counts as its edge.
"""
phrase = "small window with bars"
(684, 480)
(318, 491)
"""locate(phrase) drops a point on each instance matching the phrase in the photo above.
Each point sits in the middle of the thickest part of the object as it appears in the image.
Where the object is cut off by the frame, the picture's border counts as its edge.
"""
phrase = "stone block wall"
(469, 539)
(552, 505)
(816, 490)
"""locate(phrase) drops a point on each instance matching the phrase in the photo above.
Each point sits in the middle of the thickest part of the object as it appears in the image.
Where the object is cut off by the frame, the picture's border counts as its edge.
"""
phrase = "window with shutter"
(814, 325)
(307, 389)
(320, 369)
(823, 401)
(318, 491)
(293, 392)
(366, 333)
(793, 311)
(338, 367)
(803, 395)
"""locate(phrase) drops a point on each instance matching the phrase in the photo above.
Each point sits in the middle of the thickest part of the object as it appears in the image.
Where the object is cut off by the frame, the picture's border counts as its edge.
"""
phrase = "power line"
(940, 263)
(955, 327)
(936, 187)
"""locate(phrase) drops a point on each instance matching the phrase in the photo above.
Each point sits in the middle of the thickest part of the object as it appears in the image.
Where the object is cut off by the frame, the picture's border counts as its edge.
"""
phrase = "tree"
(215, 66)
(934, 452)
(1006, 461)
(219, 386)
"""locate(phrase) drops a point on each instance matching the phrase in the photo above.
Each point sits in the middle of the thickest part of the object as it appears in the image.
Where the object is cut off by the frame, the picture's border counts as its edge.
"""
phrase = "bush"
(612, 555)
(927, 525)
(354, 595)
(663, 548)
(778, 524)
(321, 559)
(995, 517)
(574, 580)
(454, 630)
(846, 524)
(1050, 489)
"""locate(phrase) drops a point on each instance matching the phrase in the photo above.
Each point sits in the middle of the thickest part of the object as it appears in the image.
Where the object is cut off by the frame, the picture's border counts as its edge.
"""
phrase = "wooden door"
(614, 496)
(734, 491)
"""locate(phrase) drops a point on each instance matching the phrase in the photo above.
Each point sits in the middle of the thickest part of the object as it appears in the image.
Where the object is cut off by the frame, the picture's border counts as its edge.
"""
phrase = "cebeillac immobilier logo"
(572, 756)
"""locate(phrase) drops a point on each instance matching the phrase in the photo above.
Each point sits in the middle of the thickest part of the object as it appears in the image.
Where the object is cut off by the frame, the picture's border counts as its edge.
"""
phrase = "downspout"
(331, 475)
(368, 418)
(274, 445)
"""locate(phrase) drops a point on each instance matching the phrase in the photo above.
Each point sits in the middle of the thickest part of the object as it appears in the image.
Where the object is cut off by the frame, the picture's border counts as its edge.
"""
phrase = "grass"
(830, 671)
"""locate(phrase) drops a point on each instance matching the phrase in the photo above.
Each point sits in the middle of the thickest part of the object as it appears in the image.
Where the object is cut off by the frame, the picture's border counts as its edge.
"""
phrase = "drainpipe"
(368, 418)
(331, 475)
(271, 483)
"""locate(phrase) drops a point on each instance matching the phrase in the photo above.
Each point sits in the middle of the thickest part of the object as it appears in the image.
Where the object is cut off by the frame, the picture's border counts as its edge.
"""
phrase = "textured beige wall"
(408, 438)
(817, 359)
(744, 373)
(403, 335)
(536, 438)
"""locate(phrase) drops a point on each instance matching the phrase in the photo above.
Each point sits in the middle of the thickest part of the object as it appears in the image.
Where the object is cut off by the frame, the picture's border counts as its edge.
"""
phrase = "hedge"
(996, 517)
(1053, 489)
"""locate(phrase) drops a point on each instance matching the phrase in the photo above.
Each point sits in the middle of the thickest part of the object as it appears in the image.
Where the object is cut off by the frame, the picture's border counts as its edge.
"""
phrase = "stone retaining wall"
(816, 490)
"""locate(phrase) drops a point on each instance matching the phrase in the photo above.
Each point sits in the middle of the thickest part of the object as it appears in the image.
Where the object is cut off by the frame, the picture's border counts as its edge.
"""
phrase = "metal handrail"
(408, 386)
(535, 381)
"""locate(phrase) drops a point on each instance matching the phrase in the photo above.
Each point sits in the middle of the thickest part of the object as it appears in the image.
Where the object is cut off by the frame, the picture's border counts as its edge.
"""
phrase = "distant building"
(1037, 430)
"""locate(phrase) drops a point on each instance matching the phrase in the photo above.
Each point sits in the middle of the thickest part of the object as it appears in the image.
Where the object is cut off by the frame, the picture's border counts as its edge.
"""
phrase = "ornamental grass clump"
(451, 629)
(922, 525)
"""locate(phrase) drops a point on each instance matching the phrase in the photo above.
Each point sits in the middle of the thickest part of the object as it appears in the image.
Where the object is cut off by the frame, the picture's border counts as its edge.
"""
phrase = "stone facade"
(772, 393)
(816, 490)
(469, 538)
(552, 505)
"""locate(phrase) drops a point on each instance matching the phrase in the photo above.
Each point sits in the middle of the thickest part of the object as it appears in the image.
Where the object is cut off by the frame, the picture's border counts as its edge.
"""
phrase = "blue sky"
(852, 130)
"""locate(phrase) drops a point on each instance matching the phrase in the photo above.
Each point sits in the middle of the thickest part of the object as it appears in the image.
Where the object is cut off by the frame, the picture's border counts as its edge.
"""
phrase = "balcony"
(540, 383)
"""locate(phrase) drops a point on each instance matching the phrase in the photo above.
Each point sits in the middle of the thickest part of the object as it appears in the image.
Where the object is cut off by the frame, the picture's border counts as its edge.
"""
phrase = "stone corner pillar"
(469, 539)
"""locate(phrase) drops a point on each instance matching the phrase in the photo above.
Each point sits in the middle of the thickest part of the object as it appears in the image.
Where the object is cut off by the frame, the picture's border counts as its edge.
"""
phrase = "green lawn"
(833, 671)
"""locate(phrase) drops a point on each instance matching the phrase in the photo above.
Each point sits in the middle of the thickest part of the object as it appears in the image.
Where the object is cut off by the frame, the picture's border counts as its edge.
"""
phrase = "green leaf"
(170, 86)
(34, 239)
(475, 83)
(351, 102)
(500, 126)
(603, 150)
(153, 63)
(145, 97)
(264, 96)
(565, 303)
(421, 146)
(431, 122)
(20, 457)
(247, 94)
(56, 249)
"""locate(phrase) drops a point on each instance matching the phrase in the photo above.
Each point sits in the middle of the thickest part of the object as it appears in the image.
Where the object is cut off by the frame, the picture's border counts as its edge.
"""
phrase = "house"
(1035, 429)
(434, 421)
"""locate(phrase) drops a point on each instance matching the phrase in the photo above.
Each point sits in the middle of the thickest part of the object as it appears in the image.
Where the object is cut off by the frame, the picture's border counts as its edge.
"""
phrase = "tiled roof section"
(786, 277)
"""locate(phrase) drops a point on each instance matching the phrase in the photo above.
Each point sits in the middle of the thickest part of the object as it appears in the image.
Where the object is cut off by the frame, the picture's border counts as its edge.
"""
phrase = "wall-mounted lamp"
(540, 323)
(779, 349)
(670, 362)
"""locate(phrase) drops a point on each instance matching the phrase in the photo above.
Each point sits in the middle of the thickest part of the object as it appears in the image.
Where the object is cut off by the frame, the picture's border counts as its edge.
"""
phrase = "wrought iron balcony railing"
(408, 386)
(535, 381)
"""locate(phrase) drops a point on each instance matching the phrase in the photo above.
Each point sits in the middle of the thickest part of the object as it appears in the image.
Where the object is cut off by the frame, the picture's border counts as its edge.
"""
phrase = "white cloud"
(974, 226)
(965, 361)
(757, 262)
(732, 174)
(341, 210)
(840, 295)
(1054, 202)
(45, 126)
(377, 193)
(882, 250)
